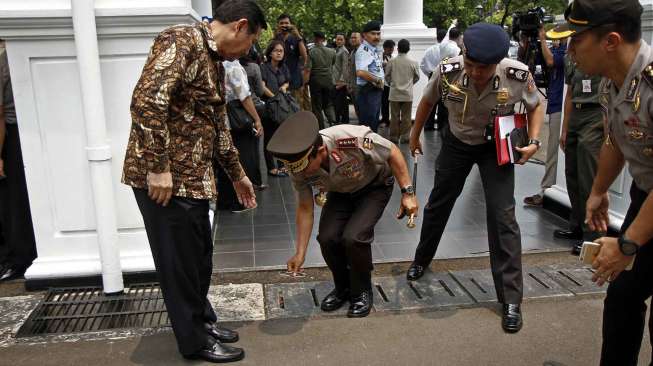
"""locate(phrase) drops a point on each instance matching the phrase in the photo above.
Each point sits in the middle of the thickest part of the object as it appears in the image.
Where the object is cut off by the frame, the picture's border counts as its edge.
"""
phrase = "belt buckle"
(579, 106)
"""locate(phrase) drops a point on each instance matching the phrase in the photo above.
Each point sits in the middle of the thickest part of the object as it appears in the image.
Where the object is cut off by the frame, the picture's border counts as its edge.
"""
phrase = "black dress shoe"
(221, 334)
(360, 306)
(569, 234)
(511, 320)
(218, 353)
(9, 273)
(334, 300)
(577, 248)
(415, 272)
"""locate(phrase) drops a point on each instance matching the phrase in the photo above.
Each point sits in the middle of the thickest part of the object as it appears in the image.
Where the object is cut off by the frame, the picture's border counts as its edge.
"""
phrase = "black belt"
(586, 105)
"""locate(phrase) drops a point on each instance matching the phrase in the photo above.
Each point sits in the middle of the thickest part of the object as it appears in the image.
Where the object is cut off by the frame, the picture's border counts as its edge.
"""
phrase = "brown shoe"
(534, 200)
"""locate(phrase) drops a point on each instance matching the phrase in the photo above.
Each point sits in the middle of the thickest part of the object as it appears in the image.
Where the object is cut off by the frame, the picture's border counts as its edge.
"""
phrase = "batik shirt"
(178, 115)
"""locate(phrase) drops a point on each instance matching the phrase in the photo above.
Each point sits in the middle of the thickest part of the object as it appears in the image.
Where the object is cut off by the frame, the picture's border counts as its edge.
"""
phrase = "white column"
(404, 19)
(98, 150)
(203, 7)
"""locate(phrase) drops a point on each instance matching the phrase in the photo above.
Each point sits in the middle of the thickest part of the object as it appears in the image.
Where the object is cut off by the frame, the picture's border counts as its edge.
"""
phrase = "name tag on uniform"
(587, 86)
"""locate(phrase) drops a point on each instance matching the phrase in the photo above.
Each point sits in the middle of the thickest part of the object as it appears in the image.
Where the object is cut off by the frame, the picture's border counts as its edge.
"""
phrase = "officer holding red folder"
(477, 87)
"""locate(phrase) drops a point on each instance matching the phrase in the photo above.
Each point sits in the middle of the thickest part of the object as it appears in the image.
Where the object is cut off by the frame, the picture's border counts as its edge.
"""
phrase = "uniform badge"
(636, 134)
(632, 89)
(336, 157)
(648, 74)
(632, 122)
(454, 98)
(350, 169)
(347, 143)
(367, 143)
(517, 74)
(648, 151)
(496, 82)
(448, 68)
(503, 96)
(321, 198)
(636, 103)
(466, 81)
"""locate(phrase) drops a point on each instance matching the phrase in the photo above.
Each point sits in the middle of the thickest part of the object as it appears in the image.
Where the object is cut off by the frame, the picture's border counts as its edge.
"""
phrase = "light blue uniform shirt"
(368, 58)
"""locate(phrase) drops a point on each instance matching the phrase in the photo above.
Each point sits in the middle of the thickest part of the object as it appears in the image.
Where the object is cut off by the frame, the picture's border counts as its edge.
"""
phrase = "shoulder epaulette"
(447, 68)
(517, 74)
(647, 74)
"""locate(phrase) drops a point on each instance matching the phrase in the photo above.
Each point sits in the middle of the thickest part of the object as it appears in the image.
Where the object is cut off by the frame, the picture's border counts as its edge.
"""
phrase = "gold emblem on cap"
(503, 96)
(648, 151)
(636, 134)
(321, 198)
(299, 165)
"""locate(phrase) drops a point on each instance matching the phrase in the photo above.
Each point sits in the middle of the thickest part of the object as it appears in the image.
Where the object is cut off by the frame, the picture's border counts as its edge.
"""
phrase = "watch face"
(629, 248)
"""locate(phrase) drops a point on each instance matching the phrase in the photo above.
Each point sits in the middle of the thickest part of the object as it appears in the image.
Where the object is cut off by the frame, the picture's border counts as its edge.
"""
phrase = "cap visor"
(560, 32)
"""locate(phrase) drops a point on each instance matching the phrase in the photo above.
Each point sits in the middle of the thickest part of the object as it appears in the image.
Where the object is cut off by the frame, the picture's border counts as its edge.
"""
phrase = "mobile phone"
(589, 252)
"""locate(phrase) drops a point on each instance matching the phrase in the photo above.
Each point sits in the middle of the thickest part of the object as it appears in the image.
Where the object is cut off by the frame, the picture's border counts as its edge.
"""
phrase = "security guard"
(581, 139)
(607, 42)
(351, 168)
(476, 87)
(370, 76)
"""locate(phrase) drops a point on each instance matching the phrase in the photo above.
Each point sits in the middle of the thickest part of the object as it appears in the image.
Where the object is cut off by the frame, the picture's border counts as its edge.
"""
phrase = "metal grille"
(72, 310)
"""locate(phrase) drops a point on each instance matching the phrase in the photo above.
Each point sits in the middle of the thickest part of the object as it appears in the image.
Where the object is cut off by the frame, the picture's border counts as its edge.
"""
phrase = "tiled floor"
(264, 237)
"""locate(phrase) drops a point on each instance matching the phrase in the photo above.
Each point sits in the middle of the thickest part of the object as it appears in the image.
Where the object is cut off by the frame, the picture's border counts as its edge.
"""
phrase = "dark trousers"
(269, 127)
(15, 216)
(247, 144)
(584, 140)
(322, 103)
(451, 170)
(385, 105)
(341, 106)
(624, 311)
(346, 234)
(369, 106)
(180, 239)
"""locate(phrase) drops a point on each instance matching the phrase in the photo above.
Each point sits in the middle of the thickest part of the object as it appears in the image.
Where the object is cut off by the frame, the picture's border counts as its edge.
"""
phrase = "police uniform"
(630, 121)
(464, 144)
(584, 140)
(368, 58)
(357, 185)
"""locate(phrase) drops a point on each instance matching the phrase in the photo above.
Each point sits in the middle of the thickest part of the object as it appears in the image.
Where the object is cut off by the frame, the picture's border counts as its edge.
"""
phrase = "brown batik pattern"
(178, 115)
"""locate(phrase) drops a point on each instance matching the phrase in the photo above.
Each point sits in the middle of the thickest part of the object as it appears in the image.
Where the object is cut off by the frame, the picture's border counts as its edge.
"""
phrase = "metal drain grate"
(72, 310)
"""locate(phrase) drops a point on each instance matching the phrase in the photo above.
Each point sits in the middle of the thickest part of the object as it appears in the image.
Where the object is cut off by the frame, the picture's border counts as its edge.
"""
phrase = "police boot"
(415, 272)
(223, 335)
(361, 300)
(511, 319)
(335, 300)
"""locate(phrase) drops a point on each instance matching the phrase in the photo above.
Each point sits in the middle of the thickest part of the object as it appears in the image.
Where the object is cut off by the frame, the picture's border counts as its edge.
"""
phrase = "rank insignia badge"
(367, 143)
(347, 143)
(636, 135)
(503, 96)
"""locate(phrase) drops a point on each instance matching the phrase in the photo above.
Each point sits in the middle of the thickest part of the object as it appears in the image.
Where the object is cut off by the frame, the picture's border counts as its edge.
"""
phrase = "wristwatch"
(535, 142)
(409, 189)
(627, 246)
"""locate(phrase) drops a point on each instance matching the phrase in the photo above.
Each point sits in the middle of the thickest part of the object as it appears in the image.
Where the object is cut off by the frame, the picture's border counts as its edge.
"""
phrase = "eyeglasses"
(278, 51)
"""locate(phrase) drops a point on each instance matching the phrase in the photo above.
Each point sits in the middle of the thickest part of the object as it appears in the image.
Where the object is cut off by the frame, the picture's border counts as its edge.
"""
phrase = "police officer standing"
(351, 168)
(369, 76)
(476, 87)
(320, 69)
(607, 42)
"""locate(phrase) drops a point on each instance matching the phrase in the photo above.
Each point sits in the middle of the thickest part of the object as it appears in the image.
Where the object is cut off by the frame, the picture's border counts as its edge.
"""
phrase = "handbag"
(282, 106)
(239, 118)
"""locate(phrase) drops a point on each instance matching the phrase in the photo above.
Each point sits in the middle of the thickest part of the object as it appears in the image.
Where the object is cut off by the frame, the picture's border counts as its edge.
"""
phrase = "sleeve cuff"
(156, 163)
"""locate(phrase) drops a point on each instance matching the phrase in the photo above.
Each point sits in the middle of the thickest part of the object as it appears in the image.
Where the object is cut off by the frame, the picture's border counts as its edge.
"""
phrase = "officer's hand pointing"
(408, 206)
(295, 263)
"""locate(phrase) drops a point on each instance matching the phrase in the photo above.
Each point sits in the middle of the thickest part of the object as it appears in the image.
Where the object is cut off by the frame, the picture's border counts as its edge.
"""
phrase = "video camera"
(527, 25)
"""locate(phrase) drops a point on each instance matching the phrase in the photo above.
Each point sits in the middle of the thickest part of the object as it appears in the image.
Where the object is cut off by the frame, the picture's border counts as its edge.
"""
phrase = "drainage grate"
(72, 310)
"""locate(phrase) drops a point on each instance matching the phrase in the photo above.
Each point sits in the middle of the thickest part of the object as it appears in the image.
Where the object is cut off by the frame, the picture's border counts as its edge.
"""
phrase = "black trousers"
(452, 167)
(385, 106)
(269, 128)
(180, 239)
(624, 311)
(346, 233)
(15, 216)
(322, 98)
(342, 106)
(247, 144)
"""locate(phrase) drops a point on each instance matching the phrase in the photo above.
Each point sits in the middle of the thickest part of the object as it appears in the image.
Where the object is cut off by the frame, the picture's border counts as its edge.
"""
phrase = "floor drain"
(73, 310)
(539, 281)
(480, 288)
(314, 295)
(412, 287)
(382, 293)
(444, 286)
(570, 278)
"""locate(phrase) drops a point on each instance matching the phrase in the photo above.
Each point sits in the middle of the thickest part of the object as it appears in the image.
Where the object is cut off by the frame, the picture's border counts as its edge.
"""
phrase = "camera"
(526, 25)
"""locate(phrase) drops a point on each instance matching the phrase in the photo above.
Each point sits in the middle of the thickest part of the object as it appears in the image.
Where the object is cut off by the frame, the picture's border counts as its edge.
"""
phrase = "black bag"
(239, 118)
(282, 106)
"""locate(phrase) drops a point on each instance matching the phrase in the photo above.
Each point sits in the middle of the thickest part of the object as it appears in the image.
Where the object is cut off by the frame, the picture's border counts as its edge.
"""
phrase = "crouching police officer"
(607, 42)
(476, 87)
(351, 168)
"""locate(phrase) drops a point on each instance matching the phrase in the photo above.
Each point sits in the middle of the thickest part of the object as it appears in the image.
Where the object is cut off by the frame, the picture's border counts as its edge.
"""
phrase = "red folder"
(503, 125)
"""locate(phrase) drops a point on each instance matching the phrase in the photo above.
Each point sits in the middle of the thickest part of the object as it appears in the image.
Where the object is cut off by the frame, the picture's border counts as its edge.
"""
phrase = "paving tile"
(234, 232)
(272, 258)
(238, 302)
(233, 261)
(275, 231)
(298, 300)
(233, 245)
(575, 278)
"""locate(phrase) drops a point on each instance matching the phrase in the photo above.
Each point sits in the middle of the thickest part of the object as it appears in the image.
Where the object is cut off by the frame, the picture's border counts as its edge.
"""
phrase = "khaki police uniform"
(322, 60)
(358, 186)
(464, 144)
(630, 124)
(583, 145)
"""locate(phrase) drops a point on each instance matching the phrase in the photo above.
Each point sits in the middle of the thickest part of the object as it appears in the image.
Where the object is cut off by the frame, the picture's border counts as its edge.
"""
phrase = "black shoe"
(334, 300)
(415, 272)
(569, 234)
(577, 248)
(511, 320)
(9, 273)
(360, 306)
(221, 334)
(218, 353)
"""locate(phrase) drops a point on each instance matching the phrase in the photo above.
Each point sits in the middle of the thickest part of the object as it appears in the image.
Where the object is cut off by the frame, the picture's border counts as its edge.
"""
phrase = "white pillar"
(203, 7)
(98, 149)
(404, 19)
